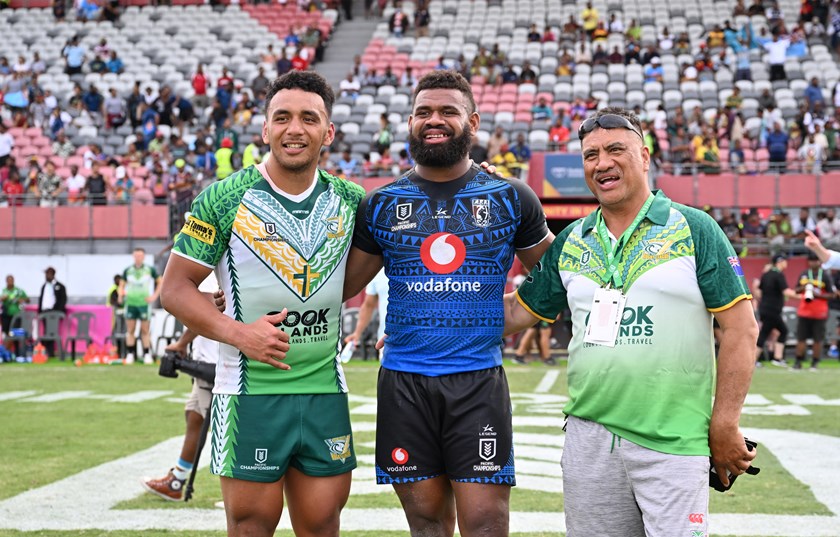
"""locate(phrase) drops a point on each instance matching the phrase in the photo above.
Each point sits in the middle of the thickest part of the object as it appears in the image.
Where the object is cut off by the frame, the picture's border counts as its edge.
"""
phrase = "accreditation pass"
(605, 317)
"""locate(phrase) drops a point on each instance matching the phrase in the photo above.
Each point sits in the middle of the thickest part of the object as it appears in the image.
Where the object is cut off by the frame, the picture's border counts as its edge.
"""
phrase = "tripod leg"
(202, 439)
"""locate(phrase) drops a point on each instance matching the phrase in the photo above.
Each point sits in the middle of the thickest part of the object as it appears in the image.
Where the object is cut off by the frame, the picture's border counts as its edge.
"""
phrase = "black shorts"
(455, 425)
(810, 329)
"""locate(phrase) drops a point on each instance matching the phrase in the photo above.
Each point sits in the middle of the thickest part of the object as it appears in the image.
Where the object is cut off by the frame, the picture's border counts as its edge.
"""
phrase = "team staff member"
(278, 234)
(139, 287)
(774, 291)
(643, 276)
(446, 233)
(812, 314)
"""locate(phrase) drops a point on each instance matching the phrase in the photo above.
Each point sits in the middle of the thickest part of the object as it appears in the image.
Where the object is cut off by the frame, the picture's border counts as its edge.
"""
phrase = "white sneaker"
(219, 505)
(148, 359)
(129, 358)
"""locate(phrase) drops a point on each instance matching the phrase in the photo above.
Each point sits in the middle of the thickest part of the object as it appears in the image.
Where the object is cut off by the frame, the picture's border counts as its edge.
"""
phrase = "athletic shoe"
(759, 365)
(219, 505)
(169, 487)
(550, 361)
(519, 360)
(797, 365)
(813, 369)
(129, 358)
(779, 363)
(148, 359)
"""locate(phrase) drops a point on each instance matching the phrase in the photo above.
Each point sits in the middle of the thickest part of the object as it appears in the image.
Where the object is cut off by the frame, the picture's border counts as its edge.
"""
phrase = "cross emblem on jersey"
(301, 252)
(306, 277)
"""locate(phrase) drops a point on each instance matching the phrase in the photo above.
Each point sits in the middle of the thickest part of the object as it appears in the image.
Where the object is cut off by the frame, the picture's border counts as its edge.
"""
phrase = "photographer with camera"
(816, 289)
(201, 366)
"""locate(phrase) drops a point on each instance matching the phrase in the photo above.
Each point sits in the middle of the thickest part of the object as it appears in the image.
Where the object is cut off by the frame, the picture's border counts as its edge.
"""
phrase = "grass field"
(77, 440)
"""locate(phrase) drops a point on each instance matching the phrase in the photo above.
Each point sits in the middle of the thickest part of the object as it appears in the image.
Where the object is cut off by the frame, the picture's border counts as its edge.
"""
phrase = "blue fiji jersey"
(447, 249)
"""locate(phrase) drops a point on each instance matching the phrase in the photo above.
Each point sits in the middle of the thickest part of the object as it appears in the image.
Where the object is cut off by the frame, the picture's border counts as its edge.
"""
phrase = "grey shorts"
(615, 488)
(200, 397)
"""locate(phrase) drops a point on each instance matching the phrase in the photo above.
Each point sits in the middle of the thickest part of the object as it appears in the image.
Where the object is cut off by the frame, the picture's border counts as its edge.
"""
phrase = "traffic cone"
(39, 356)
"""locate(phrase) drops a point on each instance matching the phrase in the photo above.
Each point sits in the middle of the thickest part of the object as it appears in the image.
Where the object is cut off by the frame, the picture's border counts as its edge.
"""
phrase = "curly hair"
(309, 81)
(446, 79)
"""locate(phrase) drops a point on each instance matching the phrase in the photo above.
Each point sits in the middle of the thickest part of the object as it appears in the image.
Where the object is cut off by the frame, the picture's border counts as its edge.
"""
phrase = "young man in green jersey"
(277, 234)
(139, 287)
(643, 277)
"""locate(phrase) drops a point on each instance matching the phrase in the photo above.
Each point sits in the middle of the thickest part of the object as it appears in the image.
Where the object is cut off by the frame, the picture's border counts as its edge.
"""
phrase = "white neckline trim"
(296, 198)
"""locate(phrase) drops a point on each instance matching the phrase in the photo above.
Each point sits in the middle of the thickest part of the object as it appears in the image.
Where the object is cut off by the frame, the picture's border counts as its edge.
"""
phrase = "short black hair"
(309, 81)
(446, 79)
(623, 112)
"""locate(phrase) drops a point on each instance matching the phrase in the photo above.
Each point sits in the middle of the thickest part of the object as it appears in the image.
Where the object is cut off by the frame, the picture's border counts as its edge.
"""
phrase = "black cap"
(50, 269)
(778, 257)
(812, 256)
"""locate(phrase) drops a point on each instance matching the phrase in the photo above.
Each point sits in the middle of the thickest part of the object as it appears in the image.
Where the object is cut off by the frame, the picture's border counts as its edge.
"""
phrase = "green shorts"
(137, 313)
(257, 437)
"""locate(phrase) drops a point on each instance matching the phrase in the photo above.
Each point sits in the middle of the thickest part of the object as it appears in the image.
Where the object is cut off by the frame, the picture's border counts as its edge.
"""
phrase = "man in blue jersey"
(446, 233)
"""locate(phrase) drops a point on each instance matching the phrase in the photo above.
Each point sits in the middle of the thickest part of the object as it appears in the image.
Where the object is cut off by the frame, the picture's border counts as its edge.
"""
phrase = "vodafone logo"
(399, 455)
(443, 253)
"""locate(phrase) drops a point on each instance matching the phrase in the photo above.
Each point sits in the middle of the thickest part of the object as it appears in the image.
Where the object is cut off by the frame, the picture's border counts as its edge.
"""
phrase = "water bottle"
(347, 352)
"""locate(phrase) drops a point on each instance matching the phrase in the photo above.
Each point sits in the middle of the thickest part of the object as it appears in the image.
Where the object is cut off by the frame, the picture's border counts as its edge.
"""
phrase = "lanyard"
(611, 276)
(819, 276)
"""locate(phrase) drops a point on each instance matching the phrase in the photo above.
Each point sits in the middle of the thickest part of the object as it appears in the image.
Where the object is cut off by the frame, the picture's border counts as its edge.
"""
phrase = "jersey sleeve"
(362, 232)
(719, 273)
(532, 227)
(203, 238)
(543, 293)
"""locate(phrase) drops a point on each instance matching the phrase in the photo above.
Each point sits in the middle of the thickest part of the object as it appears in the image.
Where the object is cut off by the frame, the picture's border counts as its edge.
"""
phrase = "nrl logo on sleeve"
(585, 257)
(270, 228)
(199, 230)
(260, 455)
(339, 447)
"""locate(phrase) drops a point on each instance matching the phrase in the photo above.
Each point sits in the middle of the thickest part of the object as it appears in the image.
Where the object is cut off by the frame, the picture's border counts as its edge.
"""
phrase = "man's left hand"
(729, 452)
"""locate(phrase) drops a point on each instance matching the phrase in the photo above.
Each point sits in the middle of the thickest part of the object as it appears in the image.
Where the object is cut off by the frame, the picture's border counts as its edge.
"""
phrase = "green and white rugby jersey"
(655, 386)
(139, 284)
(273, 251)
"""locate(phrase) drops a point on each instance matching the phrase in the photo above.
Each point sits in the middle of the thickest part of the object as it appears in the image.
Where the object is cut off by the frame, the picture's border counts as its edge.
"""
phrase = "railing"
(729, 189)
(126, 222)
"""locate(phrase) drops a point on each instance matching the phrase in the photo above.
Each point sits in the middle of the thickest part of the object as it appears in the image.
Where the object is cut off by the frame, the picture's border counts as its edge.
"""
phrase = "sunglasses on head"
(607, 121)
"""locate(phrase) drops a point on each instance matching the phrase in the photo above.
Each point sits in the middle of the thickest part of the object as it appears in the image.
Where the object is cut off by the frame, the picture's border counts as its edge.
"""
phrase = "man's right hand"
(263, 341)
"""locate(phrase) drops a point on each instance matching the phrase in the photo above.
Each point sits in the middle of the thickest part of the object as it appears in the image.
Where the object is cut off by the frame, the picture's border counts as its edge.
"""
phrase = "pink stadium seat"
(525, 98)
(72, 222)
(756, 191)
(110, 222)
(716, 190)
(32, 223)
(523, 106)
(798, 190)
(143, 196)
(505, 107)
(75, 160)
(33, 132)
(522, 117)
